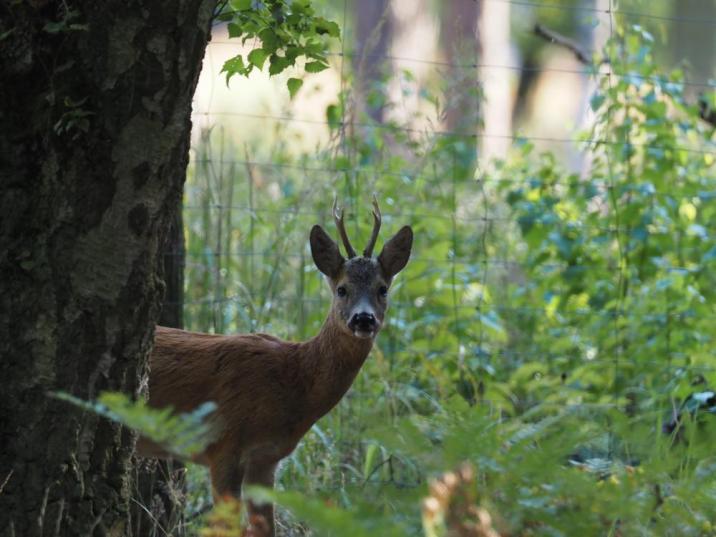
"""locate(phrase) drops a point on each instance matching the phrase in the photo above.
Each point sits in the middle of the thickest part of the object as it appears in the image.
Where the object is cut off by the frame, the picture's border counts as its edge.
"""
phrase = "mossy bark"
(95, 104)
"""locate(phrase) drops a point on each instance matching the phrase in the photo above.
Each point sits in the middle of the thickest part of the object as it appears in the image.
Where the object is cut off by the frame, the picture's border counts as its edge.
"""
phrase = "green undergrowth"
(554, 328)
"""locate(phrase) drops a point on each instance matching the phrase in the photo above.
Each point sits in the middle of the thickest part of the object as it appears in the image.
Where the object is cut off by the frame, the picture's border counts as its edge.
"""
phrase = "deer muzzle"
(363, 324)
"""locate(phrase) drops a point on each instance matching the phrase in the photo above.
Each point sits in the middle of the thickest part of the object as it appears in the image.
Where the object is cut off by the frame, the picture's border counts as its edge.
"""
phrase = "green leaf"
(240, 5)
(269, 40)
(316, 67)
(234, 30)
(324, 26)
(277, 64)
(294, 84)
(234, 66)
(596, 101)
(333, 115)
(257, 57)
(291, 53)
(370, 454)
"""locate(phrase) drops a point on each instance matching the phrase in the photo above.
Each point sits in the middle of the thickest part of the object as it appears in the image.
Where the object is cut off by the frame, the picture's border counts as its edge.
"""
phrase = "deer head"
(360, 284)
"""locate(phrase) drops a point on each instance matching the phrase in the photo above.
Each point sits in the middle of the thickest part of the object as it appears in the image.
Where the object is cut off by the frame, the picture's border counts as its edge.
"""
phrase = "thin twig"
(2, 485)
(151, 516)
(706, 113)
(553, 37)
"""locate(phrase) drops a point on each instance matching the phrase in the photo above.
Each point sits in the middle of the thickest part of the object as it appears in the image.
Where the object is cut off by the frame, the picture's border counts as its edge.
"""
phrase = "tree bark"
(160, 492)
(94, 129)
(174, 256)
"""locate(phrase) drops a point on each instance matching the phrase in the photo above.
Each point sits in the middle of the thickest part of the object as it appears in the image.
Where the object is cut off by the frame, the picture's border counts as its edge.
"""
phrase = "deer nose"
(363, 321)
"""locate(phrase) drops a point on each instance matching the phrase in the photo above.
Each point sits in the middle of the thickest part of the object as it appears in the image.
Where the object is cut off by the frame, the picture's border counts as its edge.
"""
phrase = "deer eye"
(341, 291)
(383, 291)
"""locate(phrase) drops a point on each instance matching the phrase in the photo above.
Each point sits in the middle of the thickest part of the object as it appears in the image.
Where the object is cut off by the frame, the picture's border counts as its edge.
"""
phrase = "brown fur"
(270, 392)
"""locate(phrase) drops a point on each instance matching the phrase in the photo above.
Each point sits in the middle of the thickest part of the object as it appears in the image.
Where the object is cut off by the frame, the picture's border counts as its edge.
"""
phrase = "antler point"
(376, 228)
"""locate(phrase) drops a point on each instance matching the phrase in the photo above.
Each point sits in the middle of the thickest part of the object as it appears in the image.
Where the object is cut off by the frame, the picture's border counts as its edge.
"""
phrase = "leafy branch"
(286, 29)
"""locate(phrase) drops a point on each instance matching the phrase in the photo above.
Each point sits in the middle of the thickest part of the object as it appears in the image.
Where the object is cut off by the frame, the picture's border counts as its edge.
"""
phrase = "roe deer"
(269, 392)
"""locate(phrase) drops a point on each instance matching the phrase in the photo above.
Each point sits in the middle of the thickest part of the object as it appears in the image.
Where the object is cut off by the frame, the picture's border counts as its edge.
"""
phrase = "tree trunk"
(174, 255)
(459, 39)
(496, 82)
(159, 497)
(373, 34)
(94, 130)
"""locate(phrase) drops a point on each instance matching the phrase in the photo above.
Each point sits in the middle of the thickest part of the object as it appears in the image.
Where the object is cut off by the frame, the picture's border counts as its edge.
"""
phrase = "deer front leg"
(261, 473)
(227, 474)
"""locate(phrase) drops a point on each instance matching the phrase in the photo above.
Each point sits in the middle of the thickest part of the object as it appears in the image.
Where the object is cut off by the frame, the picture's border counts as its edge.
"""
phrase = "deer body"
(269, 392)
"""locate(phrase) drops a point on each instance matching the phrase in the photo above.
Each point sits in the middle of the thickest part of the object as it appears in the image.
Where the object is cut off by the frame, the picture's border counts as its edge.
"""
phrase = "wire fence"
(699, 190)
(462, 298)
(475, 136)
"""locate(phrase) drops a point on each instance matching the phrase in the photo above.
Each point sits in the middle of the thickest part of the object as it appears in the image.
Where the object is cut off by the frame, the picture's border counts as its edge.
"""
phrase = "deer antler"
(338, 217)
(376, 228)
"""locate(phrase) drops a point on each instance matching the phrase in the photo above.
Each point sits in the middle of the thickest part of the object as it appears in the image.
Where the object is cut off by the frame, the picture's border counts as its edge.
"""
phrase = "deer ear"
(325, 252)
(396, 252)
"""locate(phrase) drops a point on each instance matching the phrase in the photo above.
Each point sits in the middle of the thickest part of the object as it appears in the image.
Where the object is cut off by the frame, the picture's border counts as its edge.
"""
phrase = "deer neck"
(332, 360)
